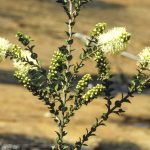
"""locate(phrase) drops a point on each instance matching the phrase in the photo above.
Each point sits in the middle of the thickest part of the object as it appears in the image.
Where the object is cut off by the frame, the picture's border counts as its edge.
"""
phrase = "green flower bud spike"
(16, 51)
(24, 39)
(99, 29)
(93, 93)
(102, 65)
(25, 80)
(57, 60)
(83, 83)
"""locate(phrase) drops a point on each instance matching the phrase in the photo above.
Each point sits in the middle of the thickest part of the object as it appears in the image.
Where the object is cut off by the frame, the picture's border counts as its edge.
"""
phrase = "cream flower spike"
(144, 57)
(114, 41)
(5, 46)
(27, 55)
(23, 67)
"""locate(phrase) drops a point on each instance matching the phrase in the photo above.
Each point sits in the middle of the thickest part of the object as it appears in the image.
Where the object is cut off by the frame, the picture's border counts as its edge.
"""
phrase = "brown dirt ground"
(43, 20)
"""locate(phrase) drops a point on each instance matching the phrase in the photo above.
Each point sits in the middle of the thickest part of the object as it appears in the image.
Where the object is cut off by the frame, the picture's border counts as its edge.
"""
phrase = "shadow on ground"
(109, 145)
(137, 121)
(120, 81)
(104, 5)
(23, 142)
(100, 4)
(6, 77)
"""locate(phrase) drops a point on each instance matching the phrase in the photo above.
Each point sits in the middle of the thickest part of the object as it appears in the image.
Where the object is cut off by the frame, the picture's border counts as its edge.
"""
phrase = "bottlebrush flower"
(23, 66)
(5, 46)
(27, 55)
(114, 41)
(144, 58)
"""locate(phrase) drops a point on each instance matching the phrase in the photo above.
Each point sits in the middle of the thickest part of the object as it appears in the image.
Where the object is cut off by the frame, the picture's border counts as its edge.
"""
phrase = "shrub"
(54, 87)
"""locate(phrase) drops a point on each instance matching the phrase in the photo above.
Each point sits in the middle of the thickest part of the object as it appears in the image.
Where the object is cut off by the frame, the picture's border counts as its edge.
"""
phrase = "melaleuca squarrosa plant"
(56, 87)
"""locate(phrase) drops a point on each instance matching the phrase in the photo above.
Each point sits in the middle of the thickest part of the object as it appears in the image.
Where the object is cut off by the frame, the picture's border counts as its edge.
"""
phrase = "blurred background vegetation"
(23, 119)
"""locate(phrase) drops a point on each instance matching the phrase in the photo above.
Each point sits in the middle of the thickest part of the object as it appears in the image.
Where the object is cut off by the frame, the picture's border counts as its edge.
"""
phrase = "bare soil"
(23, 117)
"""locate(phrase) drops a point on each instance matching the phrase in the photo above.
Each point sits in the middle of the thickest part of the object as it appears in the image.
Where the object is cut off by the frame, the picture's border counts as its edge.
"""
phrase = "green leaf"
(72, 23)
(56, 87)
(69, 58)
(70, 41)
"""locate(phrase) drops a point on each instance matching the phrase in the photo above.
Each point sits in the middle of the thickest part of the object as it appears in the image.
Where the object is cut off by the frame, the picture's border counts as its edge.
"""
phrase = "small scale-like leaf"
(85, 145)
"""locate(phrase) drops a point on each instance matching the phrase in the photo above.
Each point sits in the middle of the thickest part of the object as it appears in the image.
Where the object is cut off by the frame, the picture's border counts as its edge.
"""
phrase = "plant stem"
(99, 122)
(61, 124)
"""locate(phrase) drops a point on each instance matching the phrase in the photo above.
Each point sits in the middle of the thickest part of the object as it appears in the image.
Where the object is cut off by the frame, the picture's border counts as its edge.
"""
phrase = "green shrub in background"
(56, 87)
